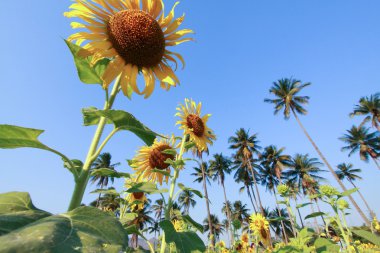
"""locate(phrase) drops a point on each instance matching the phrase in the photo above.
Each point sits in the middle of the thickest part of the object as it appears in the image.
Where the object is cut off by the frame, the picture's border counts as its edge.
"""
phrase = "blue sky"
(240, 49)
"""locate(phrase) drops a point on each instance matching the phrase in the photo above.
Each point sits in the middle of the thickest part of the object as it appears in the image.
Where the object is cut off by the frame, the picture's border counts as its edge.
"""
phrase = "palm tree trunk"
(365, 202)
(207, 205)
(257, 189)
(315, 219)
(299, 212)
(228, 211)
(253, 194)
(332, 170)
(279, 215)
(250, 197)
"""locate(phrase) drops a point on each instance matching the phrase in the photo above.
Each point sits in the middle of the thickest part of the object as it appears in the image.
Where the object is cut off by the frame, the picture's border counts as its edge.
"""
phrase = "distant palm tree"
(240, 211)
(220, 166)
(346, 171)
(142, 220)
(217, 227)
(369, 107)
(359, 139)
(246, 146)
(287, 99)
(159, 209)
(274, 158)
(186, 200)
(274, 223)
(103, 161)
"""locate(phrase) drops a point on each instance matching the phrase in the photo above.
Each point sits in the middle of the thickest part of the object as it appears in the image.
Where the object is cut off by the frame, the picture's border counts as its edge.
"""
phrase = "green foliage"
(122, 120)
(184, 188)
(299, 243)
(85, 229)
(147, 187)
(87, 74)
(323, 245)
(193, 223)
(313, 215)
(368, 236)
(185, 242)
(105, 172)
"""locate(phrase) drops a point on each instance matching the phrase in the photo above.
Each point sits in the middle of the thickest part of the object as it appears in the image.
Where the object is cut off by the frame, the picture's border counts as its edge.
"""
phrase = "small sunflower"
(195, 125)
(260, 227)
(137, 200)
(179, 225)
(135, 34)
(244, 238)
(154, 157)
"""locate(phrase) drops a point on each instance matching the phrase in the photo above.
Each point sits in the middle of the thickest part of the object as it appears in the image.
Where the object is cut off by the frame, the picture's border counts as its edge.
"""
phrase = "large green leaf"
(192, 222)
(147, 187)
(368, 236)
(122, 120)
(105, 172)
(87, 74)
(17, 210)
(316, 214)
(185, 242)
(85, 229)
(323, 245)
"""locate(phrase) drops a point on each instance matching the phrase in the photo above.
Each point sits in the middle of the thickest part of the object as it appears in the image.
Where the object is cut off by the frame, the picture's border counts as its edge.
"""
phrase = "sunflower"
(135, 35)
(136, 200)
(154, 157)
(260, 227)
(244, 238)
(179, 225)
(195, 125)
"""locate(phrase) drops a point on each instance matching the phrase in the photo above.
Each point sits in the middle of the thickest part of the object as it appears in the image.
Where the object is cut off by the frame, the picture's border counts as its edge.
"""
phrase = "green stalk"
(81, 182)
(171, 192)
(345, 237)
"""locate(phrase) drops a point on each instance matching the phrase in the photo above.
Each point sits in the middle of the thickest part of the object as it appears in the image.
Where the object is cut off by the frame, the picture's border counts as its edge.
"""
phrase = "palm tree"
(220, 166)
(273, 158)
(186, 199)
(158, 208)
(240, 211)
(287, 99)
(369, 107)
(216, 225)
(274, 216)
(346, 171)
(203, 175)
(142, 220)
(103, 161)
(246, 146)
(359, 139)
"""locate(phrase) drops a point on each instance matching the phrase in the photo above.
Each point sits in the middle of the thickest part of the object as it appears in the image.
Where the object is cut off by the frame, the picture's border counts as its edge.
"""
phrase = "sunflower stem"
(81, 183)
(171, 192)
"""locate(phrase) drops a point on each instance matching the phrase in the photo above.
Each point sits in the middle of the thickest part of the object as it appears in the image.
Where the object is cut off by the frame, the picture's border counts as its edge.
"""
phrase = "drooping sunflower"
(260, 227)
(136, 200)
(194, 124)
(150, 158)
(135, 35)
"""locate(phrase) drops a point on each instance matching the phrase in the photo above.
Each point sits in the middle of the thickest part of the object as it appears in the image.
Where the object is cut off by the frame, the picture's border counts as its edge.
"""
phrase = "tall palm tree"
(220, 166)
(359, 139)
(142, 220)
(346, 171)
(369, 107)
(158, 208)
(202, 175)
(103, 161)
(246, 146)
(275, 159)
(217, 227)
(186, 200)
(287, 99)
(277, 226)
(240, 211)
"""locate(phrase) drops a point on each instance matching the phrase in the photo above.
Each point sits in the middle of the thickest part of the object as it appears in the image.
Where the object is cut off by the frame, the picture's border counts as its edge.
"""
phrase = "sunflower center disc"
(157, 158)
(195, 122)
(137, 37)
(138, 195)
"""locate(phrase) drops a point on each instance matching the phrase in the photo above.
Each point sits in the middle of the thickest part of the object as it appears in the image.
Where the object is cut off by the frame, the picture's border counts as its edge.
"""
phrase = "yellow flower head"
(179, 225)
(260, 227)
(244, 238)
(221, 244)
(136, 200)
(135, 35)
(195, 125)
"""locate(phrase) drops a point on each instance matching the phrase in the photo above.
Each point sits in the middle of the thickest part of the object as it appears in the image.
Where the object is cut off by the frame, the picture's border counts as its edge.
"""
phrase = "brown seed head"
(195, 122)
(137, 37)
(157, 158)
(138, 195)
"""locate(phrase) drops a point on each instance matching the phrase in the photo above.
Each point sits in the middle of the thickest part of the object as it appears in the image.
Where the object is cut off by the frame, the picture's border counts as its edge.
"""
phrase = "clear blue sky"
(240, 49)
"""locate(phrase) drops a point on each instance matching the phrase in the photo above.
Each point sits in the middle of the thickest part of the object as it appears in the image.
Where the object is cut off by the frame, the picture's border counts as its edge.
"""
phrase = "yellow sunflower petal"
(113, 69)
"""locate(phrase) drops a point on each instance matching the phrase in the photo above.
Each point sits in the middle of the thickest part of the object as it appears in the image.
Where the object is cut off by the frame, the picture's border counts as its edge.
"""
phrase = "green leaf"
(184, 188)
(105, 172)
(368, 236)
(192, 222)
(316, 214)
(348, 192)
(121, 120)
(323, 245)
(277, 219)
(85, 229)
(147, 187)
(17, 210)
(163, 172)
(288, 249)
(87, 74)
(106, 191)
(281, 202)
(185, 242)
(303, 205)
(128, 217)
(169, 152)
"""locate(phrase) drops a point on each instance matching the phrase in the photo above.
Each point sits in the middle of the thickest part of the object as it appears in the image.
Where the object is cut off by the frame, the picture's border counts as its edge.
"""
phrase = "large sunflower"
(150, 158)
(260, 227)
(135, 34)
(195, 125)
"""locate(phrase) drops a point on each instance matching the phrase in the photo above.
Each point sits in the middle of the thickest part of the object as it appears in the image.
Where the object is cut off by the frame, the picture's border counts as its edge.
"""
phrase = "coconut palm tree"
(275, 159)
(103, 161)
(370, 108)
(217, 227)
(240, 211)
(287, 99)
(158, 208)
(220, 166)
(142, 220)
(202, 175)
(359, 139)
(347, 171)
(245, 147)
(186, 200)
(273, 217)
